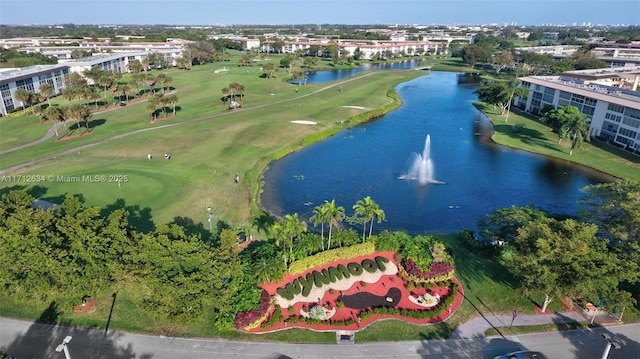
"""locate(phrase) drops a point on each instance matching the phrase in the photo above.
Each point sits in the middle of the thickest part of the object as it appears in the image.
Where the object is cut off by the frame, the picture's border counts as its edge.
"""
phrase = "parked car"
(522, 355)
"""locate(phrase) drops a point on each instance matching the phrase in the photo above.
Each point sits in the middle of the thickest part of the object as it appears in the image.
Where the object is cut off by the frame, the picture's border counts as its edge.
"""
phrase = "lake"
(477, 175)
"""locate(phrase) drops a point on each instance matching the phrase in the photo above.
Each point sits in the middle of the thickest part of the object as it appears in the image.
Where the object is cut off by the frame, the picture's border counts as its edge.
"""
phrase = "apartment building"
(29, 78)
(614, 112)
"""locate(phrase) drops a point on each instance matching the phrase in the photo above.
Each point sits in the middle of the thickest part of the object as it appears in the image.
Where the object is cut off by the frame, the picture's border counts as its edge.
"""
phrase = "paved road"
(24, 339)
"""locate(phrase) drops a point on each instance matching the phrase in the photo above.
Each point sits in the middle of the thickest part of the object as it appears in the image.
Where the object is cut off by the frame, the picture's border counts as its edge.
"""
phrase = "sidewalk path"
(476, 328)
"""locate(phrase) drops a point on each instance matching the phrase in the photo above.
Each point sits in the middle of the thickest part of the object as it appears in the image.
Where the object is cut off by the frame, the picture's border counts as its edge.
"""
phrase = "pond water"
(332, 75)
(473, 175)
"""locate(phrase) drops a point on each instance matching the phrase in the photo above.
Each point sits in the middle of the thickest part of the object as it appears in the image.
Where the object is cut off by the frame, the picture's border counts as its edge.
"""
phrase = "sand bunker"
(304, 122)
(356, 107)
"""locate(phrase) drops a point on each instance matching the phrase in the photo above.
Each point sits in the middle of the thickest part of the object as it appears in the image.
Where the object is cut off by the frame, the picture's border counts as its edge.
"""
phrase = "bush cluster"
(252, 319)
(438, 271)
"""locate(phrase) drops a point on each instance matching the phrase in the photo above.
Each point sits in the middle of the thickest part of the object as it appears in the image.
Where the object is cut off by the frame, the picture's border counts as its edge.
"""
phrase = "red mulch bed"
(379, 288)
(86, 308)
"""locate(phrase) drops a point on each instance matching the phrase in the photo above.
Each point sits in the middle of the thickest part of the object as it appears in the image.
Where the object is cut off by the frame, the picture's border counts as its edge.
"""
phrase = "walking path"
(476, 328)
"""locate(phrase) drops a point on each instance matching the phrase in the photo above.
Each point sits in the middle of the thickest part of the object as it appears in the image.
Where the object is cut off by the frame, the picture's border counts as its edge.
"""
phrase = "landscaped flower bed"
(349, 294)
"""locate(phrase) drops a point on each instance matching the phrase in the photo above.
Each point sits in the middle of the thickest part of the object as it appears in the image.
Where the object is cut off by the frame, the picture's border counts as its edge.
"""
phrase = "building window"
(612, 117)
(627, 133)
(587, 110)
(615, 108)
(590, 102)
(631, 122)
(6, 97)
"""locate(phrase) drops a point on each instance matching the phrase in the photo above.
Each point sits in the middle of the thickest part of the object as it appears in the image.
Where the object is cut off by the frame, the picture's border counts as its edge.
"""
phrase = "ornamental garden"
(364, 285)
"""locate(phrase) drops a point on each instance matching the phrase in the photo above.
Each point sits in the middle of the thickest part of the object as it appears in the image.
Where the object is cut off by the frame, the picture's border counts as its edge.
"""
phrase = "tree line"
(594, 256)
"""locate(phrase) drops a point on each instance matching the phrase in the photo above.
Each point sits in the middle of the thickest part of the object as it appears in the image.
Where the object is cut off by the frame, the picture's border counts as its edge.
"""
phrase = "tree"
(615, 208)
(335, 215)
(151, 108)
(269, 68)
(503, 224)
(286, 233)
(502, 59)
(568, 121)
(334, 51)
(172, 100)
(54, 113)
(46, 91)
(566, 258)
(369, 210)
(474, 54)
(163, 80)
(320, 216)
(24, 97)
(91, 94)
(135, 66)
(494, 93)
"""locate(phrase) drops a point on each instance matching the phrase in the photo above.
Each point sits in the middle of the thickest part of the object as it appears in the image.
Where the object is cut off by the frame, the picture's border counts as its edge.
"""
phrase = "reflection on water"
(479, 175)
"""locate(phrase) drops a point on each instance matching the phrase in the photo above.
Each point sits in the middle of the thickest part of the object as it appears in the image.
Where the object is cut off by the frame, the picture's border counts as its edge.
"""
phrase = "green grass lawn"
(525, 132)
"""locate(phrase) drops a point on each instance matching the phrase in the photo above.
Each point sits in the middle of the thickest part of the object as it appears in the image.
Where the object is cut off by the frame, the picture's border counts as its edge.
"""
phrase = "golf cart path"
(51, 132)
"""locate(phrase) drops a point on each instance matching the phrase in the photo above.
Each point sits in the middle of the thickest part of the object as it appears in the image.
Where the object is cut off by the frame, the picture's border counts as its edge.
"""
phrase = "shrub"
(329, 256)
(244, 319)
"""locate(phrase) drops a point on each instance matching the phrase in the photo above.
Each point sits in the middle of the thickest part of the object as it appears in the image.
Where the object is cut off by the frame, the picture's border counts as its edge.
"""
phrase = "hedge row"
(329, 256)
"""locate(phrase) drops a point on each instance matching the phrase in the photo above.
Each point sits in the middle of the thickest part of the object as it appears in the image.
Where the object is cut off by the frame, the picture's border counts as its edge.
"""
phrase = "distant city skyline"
(284, 12)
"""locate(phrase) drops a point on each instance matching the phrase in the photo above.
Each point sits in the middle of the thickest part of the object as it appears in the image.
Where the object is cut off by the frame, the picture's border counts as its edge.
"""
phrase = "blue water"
(479, 176)
(332, 75)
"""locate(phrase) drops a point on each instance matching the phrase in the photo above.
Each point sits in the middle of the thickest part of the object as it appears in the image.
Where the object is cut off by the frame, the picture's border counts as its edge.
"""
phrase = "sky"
(283, 12)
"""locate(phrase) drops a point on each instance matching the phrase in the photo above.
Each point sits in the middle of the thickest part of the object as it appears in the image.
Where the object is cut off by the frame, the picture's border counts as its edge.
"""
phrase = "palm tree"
(320, 217)
(512, 90)
(336, 215)
(295, 227)
(225, 94)
(23, 96)
(173, 100)
(106, 82)
(46, 91)
(263, 269)
(279, 231)
(578, 128)
(54, 113)
(151, 109)
(150, 81)
(369, 211)
(135, 66)
(161, 80)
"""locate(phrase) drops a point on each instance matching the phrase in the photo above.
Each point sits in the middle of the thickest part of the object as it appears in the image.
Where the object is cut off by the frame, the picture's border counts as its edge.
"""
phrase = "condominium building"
(614, 112)
(29, 78)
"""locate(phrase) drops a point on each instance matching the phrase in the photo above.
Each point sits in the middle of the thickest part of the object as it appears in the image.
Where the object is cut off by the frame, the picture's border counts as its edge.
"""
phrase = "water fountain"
(422, 166)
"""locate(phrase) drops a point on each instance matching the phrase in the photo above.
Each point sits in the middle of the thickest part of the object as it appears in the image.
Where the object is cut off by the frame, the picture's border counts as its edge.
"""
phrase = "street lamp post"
(210, 219)
(63, 347)
(610, 344)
